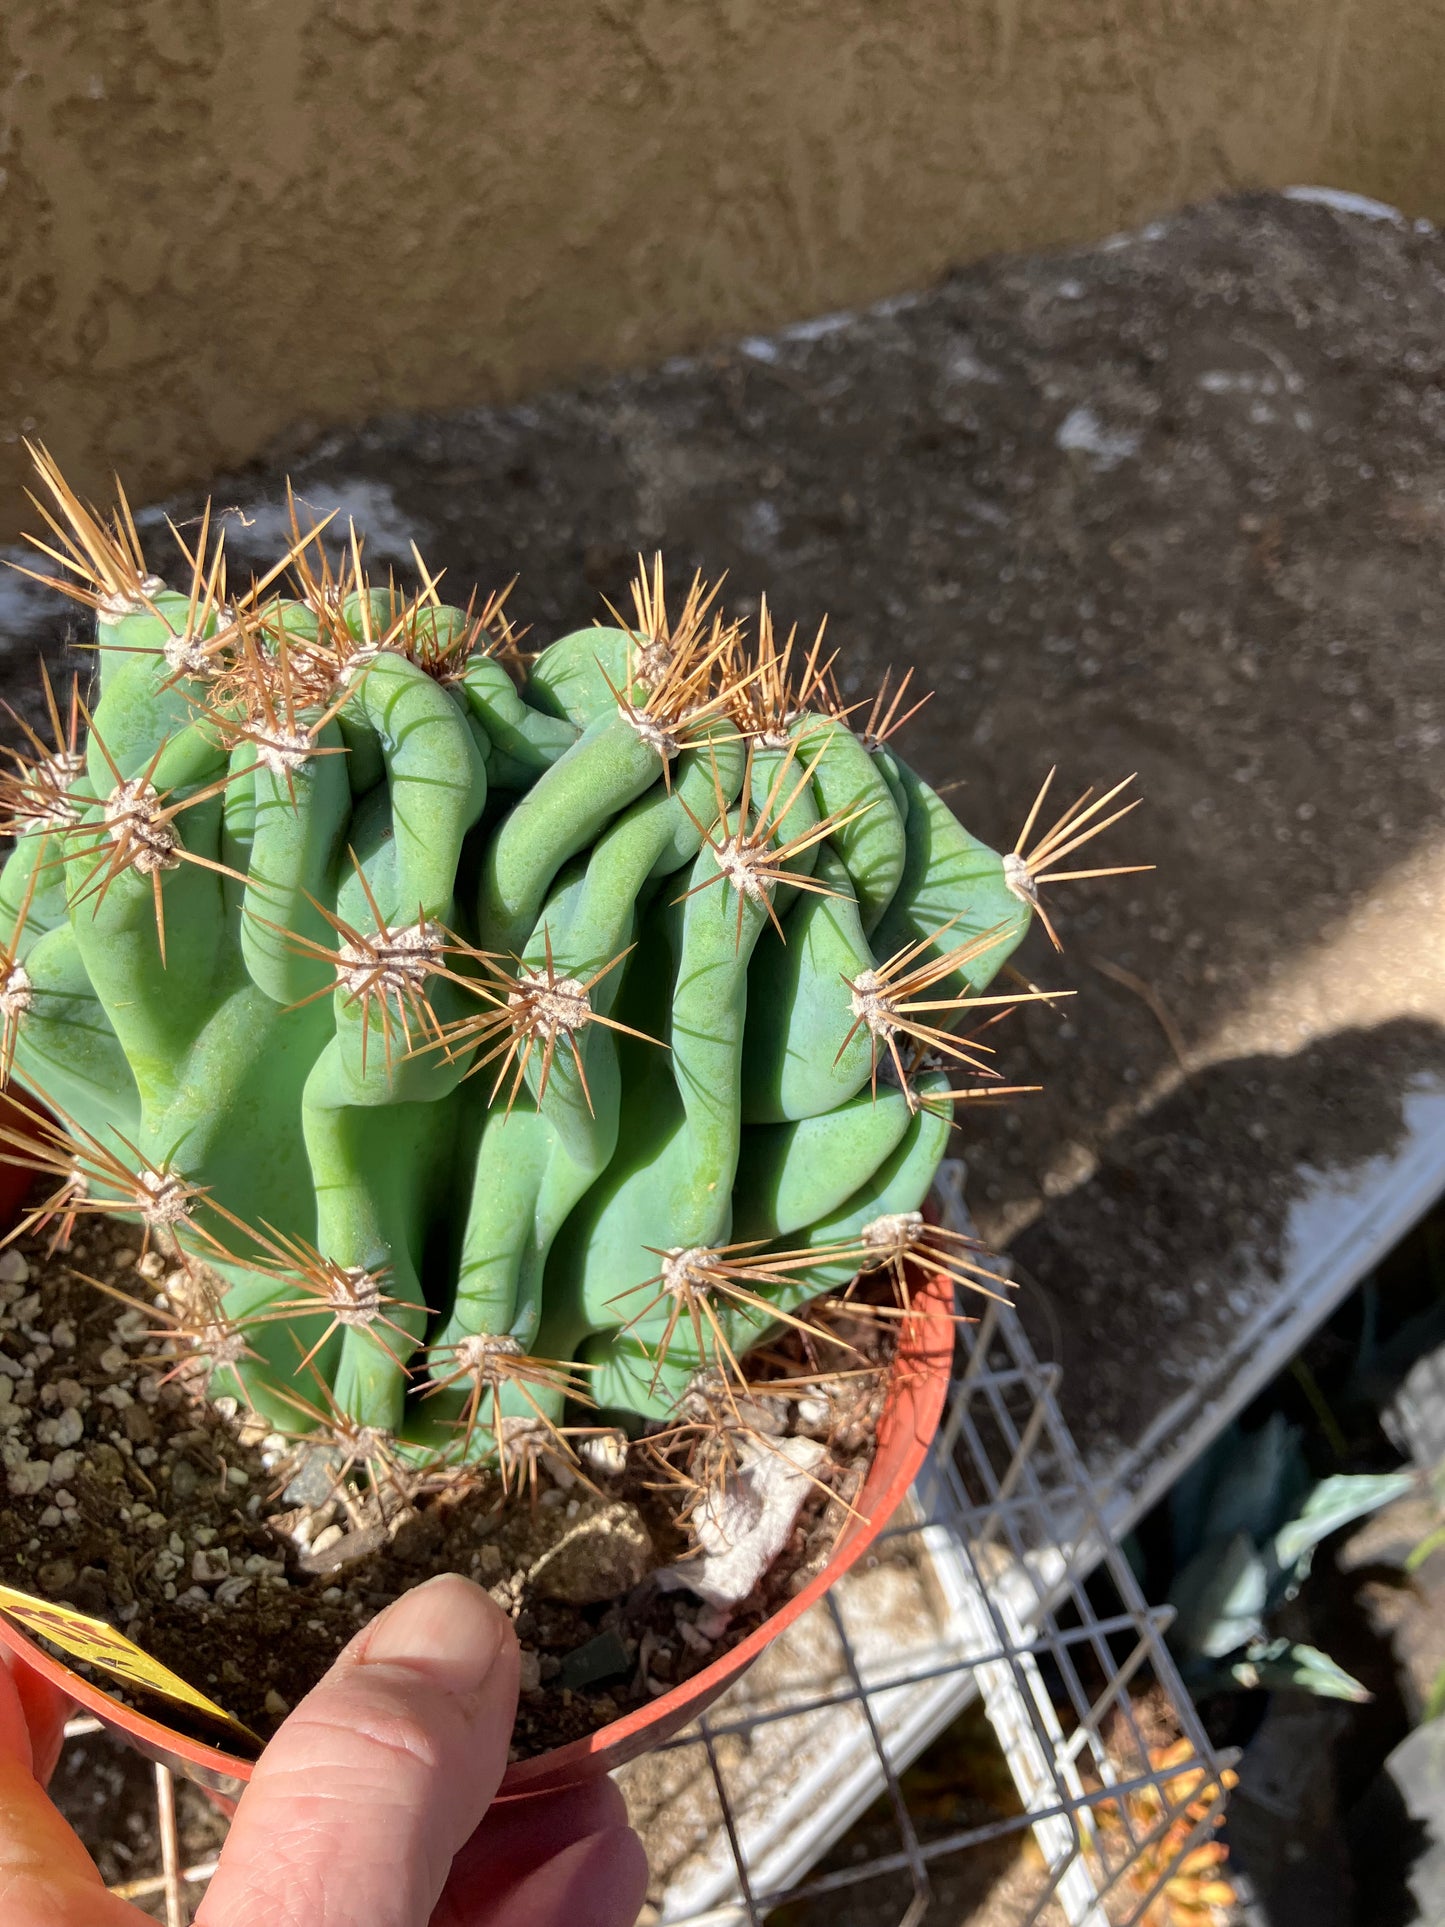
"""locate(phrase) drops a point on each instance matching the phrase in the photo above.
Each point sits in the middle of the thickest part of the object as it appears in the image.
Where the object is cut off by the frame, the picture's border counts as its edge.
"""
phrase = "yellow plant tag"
(101, 1645)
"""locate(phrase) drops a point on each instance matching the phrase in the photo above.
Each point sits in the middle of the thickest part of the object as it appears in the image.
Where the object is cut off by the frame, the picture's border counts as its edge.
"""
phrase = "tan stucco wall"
(222, 217)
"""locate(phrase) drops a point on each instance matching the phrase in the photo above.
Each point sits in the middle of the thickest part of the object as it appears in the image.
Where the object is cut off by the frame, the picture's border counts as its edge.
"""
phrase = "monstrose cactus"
(490, 1033)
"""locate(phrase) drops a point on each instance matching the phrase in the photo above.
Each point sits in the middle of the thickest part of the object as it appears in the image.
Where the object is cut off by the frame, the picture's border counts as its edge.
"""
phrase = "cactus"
(493, 1037)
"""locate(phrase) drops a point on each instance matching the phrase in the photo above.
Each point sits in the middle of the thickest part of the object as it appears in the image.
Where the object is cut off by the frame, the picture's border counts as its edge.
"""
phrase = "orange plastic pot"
(15, 1180)
(907, 1423)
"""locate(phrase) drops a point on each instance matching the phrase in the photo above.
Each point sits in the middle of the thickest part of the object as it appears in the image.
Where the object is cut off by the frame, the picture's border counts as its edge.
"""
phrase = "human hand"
(368, 1809)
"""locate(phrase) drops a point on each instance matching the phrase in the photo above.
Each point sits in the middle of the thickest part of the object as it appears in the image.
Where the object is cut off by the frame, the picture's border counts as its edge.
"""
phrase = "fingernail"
(447, 1630)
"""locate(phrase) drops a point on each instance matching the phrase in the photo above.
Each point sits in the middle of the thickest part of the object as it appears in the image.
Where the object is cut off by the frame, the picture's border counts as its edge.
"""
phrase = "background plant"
(1246, 1519)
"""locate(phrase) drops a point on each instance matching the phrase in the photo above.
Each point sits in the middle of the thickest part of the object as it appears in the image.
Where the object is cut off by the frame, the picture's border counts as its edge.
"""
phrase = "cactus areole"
(501, 1040)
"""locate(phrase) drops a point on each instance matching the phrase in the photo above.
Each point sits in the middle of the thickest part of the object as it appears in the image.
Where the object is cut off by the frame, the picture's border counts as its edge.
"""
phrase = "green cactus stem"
(493, 1038)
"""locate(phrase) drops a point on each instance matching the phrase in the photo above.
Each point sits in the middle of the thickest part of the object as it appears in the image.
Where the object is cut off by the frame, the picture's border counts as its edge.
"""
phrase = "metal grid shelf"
(977, 1594)
(1005, 1530)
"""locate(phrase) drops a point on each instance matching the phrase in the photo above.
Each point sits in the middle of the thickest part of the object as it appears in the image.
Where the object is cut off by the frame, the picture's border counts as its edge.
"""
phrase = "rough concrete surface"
(218, 220)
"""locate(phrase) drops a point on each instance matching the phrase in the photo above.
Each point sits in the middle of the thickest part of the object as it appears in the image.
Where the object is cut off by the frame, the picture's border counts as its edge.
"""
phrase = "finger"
(601, 1880)
(46, 1709)
(519, 1836)
(47, 1879)
(359, 1804)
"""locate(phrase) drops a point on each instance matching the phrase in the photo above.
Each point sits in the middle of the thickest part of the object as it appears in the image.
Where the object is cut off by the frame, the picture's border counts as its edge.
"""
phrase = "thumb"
(359, 1804)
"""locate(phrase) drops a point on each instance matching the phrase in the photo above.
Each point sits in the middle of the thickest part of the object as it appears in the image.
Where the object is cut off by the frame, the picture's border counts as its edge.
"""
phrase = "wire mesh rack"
(977, 1596)
(794, 1793)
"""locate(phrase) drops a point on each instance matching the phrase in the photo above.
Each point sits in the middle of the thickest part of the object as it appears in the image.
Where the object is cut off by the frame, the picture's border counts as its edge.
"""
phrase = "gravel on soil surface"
(237, 1560)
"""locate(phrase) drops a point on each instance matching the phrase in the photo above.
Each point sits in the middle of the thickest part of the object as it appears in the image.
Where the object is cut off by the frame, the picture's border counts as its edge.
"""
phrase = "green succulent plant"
(495, 1032)
(1246, 1519)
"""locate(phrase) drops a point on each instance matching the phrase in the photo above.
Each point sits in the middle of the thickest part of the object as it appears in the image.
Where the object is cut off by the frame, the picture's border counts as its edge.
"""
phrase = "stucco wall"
(219, 217)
